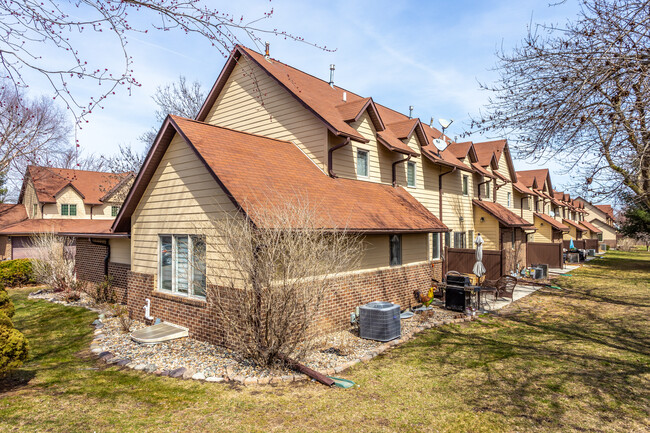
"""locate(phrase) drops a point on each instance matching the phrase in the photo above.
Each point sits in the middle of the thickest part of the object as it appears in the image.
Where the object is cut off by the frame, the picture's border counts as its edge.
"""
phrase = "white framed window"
(435, 246)
(362, 163)
(509, 199)
(395, 250)
(460, 240)
(410, 174)
(181, 265)
(465, 184)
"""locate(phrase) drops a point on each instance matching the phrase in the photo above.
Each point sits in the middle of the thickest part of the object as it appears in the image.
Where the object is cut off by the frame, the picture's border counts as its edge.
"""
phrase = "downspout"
(440, 205)
(42, 207)
(329, 157)
(479, 188)
(108, 253)
(496, 188)
(408, 158)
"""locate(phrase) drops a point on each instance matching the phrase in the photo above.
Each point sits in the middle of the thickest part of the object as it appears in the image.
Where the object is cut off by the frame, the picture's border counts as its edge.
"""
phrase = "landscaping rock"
(123, 362)
(250, 381)
(105, 355)
(189, 372)
(97, 322)
(164, 373)
(264, 380)
(198, 376)
(177, 372)
(239, 378)
(214, 379)
(150, 368)
(139, 367)
(287, 378)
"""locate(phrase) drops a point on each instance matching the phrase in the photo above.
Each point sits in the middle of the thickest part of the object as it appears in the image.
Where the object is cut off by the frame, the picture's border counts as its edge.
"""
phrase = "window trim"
(34, 210)
(465, 185)
(367, 159)
(190, 266)
(66, 212)
(509, 196)
(72, 207)
(410, 164)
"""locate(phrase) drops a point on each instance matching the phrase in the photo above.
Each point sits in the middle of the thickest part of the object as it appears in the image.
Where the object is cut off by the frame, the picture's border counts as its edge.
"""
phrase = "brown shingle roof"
(535, 177)
(12, 214)
(607, 209)
(92, 186)
(59, 226)
(260, 173)
(460, 150)
(489, 149)
(574, 224)
(552, 221)
(519, 186)
(590, 226)
(503, 214)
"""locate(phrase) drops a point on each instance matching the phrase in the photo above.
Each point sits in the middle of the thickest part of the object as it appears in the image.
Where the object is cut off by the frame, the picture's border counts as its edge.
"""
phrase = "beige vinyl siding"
(571, 234)
(380, 159)
(181, 198)
(454, 204)
(489, 229)
(30, 199)
(527, 213)
(609, 233)
(104, 211)
(415, 248)
(67, 196)
(120, 251)
(544, 231)
(251, 101)
(502, 192)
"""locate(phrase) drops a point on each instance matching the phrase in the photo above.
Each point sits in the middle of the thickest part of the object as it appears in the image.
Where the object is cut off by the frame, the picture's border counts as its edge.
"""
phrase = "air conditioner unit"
(379, 321)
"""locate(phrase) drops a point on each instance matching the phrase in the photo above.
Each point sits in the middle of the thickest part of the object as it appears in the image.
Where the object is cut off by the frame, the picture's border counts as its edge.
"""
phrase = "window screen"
(410, 174)
(362, 163)
(395, 250)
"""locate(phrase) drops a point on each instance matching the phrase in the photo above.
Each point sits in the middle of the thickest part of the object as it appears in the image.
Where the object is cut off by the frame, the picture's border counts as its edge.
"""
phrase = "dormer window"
(115, 210)
(362, 163)
(410, 174)
(69, 209)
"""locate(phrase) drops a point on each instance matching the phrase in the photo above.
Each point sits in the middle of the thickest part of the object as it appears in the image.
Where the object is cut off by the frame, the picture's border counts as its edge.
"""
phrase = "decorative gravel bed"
(189, 358)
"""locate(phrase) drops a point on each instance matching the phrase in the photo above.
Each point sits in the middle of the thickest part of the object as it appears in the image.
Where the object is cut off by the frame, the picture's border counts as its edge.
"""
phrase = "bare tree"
(35, 32)
(76, 159)
(32, 131)
(277, 267)
(179, 98)
(580, 95)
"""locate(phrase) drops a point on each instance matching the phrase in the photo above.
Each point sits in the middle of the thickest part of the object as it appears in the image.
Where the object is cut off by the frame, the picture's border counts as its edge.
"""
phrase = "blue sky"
(429, 54)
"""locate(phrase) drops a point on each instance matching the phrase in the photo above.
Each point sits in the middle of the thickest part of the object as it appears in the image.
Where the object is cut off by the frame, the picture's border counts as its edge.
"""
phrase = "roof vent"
(332, 67)
(345, 96)
(410, 112)
(266, 53)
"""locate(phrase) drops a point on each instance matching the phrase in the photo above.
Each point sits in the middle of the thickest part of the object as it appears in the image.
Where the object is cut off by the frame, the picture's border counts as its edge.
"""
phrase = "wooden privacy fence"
(539, 253)
(591, 244)
(580, 245)
(462, 260)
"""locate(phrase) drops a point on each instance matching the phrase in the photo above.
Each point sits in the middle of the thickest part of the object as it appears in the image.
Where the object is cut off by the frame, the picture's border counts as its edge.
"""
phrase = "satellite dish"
(440, 144)
(445, 123)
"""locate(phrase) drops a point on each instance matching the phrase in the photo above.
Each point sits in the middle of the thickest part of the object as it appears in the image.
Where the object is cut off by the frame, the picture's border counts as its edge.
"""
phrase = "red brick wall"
(204, 318)
(89, 261)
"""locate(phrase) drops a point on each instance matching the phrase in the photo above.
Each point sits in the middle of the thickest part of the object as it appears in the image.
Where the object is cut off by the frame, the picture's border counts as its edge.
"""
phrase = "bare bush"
(277, 266)
(102, 293)
(122, 314)
(53, 264)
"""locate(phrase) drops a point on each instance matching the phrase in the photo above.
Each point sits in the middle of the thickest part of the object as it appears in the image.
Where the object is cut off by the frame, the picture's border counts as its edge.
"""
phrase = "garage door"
(21, 248)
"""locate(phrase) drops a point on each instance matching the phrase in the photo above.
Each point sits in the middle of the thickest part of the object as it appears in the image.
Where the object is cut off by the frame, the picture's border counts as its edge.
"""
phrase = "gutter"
(496, 188)
(108, 253)
(408, 158)
(440, 204)
(329, 157)
(479, 187)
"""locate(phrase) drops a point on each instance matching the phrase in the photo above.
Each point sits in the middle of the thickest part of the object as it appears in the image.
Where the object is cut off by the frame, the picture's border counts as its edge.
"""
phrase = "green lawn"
(576, 359)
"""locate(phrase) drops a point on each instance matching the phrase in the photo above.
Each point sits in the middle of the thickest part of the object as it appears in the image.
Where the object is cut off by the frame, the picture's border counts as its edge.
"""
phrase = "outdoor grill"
(457, 297)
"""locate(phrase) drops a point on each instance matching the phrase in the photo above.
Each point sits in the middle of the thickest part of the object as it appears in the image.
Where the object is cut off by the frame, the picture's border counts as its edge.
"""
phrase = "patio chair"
(505, 286)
